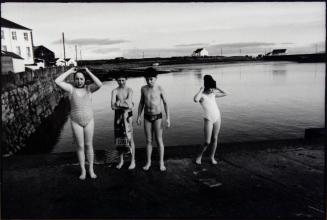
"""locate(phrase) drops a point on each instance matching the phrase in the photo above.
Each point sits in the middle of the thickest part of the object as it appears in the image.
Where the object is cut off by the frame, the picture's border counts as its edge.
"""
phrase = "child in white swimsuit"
(212, 119)
(209, 105)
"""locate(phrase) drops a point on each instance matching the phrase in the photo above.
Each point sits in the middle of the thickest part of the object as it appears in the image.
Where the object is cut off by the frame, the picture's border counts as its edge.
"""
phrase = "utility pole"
(221, 51)
(80, 54)
(240, 52)
(63, 43)
(76, 53)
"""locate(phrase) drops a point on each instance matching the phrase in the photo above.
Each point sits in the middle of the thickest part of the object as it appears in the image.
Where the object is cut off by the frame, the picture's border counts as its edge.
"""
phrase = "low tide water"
(266, 101)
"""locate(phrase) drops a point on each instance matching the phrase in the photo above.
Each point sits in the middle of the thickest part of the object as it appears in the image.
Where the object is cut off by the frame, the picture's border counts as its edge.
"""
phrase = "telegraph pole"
(63, 43)
(76, 53)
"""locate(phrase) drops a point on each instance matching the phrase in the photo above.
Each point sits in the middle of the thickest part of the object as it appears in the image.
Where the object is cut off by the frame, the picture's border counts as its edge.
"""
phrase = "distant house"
(65, 62)
(43, 53)
(17, 39)
(70, 62)
(60, 62)
(11, 62)
(200, 52)
(277, 52)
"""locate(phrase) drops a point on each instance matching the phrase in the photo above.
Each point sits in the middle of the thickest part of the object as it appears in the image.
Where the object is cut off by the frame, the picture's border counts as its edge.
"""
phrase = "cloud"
(286, 43)
(244, 44)
(105, 50)
(91, 41)
(192, 45)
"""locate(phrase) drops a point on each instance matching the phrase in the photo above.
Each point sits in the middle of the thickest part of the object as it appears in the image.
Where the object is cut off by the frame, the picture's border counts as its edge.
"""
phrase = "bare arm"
(198, 96)
(96, 82)
(113, 100)
(60, 80)
(129, 99)
(220, 93)
(164, 100)
(140, 109)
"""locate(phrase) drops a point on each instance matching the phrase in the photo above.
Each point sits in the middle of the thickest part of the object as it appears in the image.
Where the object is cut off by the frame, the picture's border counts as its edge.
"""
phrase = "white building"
(277, 52)
(17, 39)
(11, 62)
(60, 62)
(65, 62)
(201, 52)
(71, 62)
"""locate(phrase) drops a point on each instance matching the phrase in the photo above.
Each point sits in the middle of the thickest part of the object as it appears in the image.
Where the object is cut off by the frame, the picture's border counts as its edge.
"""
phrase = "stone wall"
(27, 99)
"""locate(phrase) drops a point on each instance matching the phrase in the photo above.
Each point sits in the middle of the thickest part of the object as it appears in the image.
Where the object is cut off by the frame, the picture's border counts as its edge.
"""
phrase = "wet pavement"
(284, 180)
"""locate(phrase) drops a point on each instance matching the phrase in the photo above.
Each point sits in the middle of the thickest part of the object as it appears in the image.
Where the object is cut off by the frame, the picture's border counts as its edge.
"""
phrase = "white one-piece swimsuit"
(210, 107)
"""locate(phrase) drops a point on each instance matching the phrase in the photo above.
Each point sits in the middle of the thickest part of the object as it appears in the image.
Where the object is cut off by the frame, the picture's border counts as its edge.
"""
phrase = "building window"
(26, 36)
(2, 35)
(14, 36)
(18, 51)
(4, 47)
(28, 49)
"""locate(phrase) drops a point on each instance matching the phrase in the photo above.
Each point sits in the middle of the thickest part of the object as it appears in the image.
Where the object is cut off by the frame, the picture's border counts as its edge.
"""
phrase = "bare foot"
(213, 161)
(132, 165)
(121, 163)
(147, 166)
(83, 175)
(198, 160)
(92, 175)
(162, 167)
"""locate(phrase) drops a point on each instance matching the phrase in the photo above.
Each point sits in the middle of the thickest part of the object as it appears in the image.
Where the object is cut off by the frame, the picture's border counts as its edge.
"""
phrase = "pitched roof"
(10, 54)
(60, 59)
(9, 24)
(39, 47)
(279, 51)
(198, 50)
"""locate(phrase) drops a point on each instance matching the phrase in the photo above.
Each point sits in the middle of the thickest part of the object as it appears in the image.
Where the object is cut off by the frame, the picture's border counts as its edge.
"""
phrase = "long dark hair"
(209, 83)
(86, 76)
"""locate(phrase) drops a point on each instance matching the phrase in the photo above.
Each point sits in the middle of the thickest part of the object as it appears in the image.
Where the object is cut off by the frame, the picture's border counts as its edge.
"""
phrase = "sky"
(136, 30)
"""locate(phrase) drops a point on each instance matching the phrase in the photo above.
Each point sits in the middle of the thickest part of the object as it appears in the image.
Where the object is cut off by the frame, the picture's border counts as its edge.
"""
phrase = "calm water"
(273, 100)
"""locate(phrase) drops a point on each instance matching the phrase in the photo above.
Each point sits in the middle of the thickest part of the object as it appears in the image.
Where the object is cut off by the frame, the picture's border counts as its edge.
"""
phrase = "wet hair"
(80, 71)
(209, 82)
(150, 72)
(122, 74)
(86, 77)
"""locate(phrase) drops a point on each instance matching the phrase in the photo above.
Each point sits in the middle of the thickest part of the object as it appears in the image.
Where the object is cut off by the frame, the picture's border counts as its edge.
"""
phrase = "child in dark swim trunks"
(151, 97)
(122, 103)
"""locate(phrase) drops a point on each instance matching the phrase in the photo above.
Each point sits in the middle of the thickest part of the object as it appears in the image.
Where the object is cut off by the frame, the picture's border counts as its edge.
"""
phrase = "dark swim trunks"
(152, 118)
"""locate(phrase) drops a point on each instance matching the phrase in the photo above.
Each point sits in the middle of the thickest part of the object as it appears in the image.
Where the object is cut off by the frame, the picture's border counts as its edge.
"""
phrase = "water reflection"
(47, 135)
(278, 72)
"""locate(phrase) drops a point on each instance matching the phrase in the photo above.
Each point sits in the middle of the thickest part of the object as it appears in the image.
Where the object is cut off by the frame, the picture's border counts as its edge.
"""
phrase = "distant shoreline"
(109, 69)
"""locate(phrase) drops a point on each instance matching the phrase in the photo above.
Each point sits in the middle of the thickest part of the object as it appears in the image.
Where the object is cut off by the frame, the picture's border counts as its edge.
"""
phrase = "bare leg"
(214, 140)
(132, 165)
(158, 133)
(148, 135)
(207, 137)
(79, 137)
(121, 162)
(88, 134)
